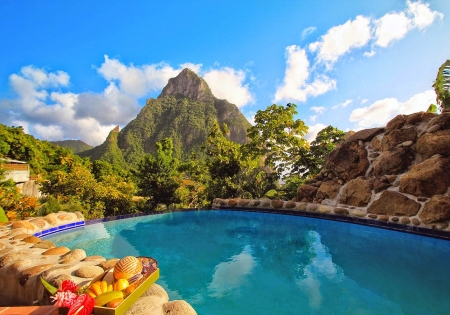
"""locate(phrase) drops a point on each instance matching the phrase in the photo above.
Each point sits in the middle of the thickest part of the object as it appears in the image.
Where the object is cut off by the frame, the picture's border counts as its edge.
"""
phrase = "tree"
(442, 85)
(310, 160)
(157, 176)
(223, 161)
(277, 137)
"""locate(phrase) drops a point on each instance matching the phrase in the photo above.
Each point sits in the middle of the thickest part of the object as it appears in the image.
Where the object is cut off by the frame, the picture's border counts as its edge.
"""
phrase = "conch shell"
(127, 267)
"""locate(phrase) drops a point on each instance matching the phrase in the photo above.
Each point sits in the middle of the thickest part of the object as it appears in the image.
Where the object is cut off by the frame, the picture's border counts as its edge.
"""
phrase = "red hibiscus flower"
(83, 305)
(69, 285)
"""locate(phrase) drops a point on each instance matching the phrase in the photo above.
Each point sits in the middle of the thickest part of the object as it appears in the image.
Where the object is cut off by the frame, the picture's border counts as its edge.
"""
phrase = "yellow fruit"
(121, 284)
(104, 286)
(96, 288)
(116, 302)
(91, 293)
(110, 287)
(107, 297)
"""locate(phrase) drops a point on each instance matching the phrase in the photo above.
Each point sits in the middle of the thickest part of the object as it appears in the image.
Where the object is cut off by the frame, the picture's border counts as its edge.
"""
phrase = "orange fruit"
(121, 284)
(114, 303)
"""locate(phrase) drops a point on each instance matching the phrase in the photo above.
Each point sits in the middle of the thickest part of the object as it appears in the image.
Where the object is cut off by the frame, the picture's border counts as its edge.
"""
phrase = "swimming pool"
(230, 262)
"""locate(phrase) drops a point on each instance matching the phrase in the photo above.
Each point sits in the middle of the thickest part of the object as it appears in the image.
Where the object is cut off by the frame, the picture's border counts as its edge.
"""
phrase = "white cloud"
(228, 83)
(342, 38)
(308, 31)
(421, 15)
(369, 54)
(343, 104)
(50, 113)
(394, 26)
(381, 111)
(138, 81)
(297, 73)
(364, 101)
(390, 27)
(318, 109)
(313, 131)
(313, 118)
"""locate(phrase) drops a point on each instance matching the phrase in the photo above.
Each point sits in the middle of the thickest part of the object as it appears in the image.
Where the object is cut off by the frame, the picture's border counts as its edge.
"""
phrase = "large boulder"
(364, 135)
(437, 209)
(443, 120)
(306, 192)
(419, 117)
(396, 123)
(328, 190)
(357, 192)
(348, 161)
(429, 178)
(394, 204)
(394, 161)
(437, 142)
(398, 136)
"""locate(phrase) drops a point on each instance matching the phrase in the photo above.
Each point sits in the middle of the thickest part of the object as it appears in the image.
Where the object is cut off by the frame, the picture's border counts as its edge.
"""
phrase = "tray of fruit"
(119, 287)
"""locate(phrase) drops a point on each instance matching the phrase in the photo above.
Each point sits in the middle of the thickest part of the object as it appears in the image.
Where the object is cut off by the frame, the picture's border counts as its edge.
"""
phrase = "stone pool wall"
(24, 257)
(358, 215)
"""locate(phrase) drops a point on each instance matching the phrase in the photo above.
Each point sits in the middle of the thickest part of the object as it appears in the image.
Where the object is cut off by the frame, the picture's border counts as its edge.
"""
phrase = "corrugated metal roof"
(2, 160)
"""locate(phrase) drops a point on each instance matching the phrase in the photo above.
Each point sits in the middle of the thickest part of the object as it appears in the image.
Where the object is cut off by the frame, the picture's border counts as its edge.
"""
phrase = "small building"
(18, 171)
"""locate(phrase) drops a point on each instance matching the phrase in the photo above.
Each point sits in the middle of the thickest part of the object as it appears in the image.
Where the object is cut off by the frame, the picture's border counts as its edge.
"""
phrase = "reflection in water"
(235, 263)
(230, 275)
(320, 265)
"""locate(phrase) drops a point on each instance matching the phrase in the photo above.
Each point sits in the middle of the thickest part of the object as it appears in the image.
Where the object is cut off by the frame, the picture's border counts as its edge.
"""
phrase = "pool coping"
(439, 234)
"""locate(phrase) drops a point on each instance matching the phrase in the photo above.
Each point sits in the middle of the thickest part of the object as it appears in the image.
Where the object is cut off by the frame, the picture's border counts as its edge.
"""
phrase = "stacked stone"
(398, 173)
(24, 258)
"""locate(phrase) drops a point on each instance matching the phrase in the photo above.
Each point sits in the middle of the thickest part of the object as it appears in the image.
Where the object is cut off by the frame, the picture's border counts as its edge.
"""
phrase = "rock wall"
(398, 174)
(25, 257)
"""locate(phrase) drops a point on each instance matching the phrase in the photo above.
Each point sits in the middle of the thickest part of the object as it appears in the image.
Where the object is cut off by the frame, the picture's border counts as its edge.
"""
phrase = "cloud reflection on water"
(230, 275)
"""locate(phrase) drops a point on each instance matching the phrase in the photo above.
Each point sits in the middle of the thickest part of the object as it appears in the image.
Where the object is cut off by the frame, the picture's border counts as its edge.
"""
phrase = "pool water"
(230, 262)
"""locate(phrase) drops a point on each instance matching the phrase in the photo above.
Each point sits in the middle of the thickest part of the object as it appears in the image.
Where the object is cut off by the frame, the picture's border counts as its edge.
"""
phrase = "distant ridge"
(76, 146)
(184, 111)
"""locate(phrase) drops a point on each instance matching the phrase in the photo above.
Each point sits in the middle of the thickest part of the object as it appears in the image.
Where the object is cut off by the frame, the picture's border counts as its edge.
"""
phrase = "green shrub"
(3, 217)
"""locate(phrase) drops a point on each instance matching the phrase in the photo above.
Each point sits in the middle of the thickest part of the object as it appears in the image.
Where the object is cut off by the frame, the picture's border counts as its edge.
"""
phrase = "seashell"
(135, 278)
(127, 267)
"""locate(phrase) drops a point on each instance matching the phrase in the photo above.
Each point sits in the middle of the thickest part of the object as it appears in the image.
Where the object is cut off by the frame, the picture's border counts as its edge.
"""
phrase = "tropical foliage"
(126, 181)
(442, 85)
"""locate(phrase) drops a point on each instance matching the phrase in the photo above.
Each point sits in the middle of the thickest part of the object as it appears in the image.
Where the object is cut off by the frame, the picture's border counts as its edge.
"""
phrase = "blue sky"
(76, 69)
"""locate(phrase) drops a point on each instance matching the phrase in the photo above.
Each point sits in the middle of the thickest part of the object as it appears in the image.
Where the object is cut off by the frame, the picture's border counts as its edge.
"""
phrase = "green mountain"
(185, 112)
(76, 146)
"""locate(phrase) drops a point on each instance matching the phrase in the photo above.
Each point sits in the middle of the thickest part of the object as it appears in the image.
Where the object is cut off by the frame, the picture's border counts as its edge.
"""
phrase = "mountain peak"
(189, 85)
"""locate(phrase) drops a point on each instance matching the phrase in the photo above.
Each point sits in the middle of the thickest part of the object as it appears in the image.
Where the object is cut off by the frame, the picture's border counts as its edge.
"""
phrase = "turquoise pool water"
(229, 262)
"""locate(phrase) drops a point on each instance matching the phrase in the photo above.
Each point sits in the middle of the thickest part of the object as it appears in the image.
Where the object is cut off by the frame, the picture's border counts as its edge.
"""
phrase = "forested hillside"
(75, 145)
(160, 180)
(184, 112)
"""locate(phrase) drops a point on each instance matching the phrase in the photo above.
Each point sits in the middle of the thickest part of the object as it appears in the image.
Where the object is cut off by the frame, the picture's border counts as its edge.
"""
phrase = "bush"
(3, 217)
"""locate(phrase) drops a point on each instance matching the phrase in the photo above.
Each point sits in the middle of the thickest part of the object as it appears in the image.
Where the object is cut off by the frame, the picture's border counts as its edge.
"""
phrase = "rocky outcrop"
(188, 85)
(306, 192)
(394, 161)
(398, 136)
(348, 161)
(437, 209)
(400, 173)
(393, 203)
(434, 143)
(357, 192)
(328, 190)
(428, 178)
